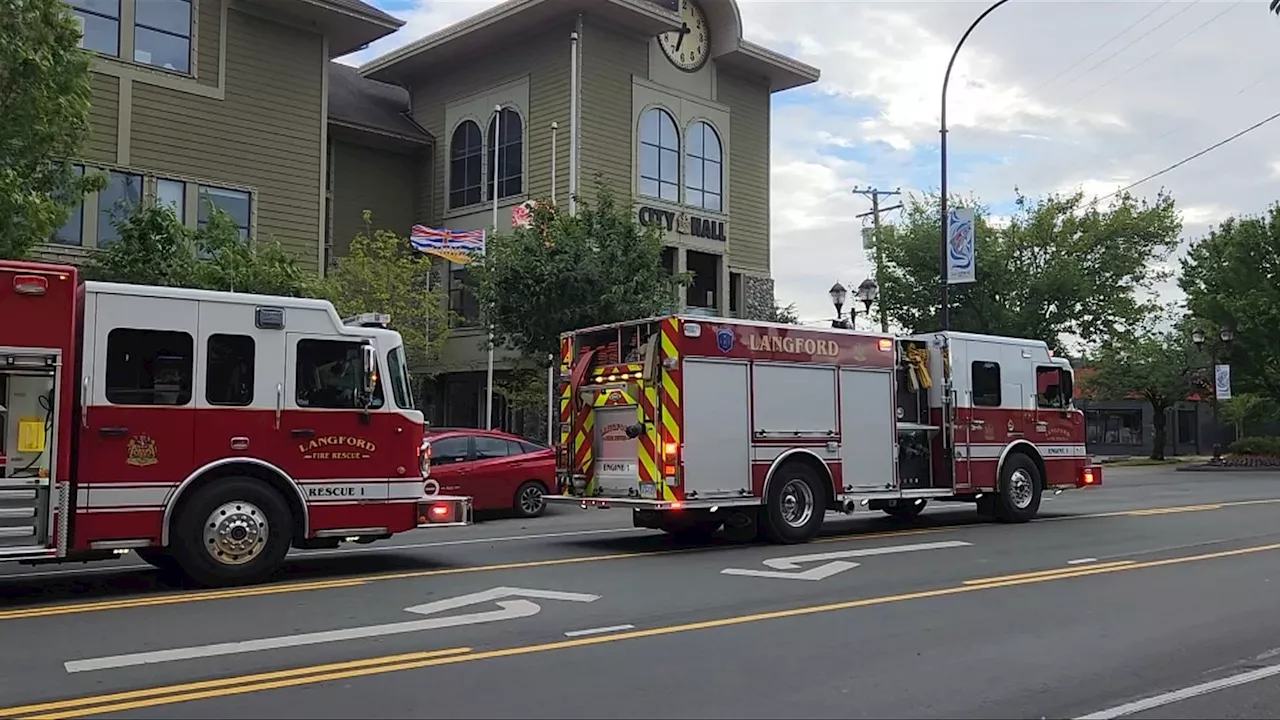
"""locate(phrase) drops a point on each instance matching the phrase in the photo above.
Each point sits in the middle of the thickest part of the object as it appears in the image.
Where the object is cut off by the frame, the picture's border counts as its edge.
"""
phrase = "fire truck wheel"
(529, 499)
(232, 532)
(1019, 498)
(796, 504)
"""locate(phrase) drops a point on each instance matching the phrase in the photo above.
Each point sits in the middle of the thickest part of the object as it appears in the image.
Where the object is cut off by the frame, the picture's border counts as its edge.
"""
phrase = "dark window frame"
(466, 159)
(467, 455)
(138, 24)
(984, 398)
(510, 153)
(306, 403)
(206, 194)
(245, 397)
(702, 160)
(1099, 426)
(1044, 402)
(476, 451)
(140, 343)
(463, 304)
(76, 216)
(82, 10)
(109, 213)
(659, 146)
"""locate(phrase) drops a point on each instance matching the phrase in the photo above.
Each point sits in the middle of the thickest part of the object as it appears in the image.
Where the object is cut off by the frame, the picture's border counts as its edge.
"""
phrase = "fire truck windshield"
(401, 389)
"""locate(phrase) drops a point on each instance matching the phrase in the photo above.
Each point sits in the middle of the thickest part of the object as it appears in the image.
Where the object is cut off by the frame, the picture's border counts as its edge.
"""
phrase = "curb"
(1229, 468)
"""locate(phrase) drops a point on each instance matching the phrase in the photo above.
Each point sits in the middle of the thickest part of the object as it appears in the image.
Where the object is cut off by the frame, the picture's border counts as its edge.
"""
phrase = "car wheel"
(529, 499)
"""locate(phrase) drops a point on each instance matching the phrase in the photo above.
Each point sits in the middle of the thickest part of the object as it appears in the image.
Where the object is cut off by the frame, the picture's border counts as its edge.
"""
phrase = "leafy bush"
(1264, 446)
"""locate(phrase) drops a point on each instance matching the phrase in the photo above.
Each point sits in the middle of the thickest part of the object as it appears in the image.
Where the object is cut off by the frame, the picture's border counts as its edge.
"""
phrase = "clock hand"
(684, 30)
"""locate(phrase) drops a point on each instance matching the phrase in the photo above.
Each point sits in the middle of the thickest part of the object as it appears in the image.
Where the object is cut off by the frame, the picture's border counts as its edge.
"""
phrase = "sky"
(1045, 97)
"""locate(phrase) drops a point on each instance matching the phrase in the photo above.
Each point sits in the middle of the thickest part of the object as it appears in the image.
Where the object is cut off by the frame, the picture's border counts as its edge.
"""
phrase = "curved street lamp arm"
(944, 310)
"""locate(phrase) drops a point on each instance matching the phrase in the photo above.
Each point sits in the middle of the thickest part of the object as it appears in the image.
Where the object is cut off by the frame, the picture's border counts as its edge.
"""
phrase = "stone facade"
(758, 298)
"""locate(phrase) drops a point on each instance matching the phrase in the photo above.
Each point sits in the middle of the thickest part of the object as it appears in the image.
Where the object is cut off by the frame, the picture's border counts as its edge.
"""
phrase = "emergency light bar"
(380, 320)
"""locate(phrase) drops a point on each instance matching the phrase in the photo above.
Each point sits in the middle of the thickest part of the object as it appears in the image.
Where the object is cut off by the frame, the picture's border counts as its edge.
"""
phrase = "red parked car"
(498, 470)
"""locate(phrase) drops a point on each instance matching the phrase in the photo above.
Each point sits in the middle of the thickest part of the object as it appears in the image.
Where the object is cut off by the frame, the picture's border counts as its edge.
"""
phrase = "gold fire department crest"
(142, 451)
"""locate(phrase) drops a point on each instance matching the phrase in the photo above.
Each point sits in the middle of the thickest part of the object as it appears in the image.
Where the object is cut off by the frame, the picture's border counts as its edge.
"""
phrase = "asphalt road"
(1151, 597)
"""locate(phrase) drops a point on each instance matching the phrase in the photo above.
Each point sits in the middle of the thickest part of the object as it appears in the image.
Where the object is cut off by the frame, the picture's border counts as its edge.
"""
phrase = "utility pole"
(875, 194)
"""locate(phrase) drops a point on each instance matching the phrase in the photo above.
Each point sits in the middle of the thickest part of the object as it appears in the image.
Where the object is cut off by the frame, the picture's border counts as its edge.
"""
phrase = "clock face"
(688, 47)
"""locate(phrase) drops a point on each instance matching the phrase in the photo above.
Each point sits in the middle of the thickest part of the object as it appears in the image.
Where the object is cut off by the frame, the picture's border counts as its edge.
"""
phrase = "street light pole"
(944, 311)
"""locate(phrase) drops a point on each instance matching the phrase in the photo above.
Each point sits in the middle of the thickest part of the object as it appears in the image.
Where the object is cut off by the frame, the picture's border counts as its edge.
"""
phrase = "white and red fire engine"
(701, 423)
(210, 432)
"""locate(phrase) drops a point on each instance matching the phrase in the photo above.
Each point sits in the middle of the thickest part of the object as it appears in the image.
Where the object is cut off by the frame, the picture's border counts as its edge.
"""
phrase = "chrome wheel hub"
(1021, 489)
(236, 533)
(797, 503)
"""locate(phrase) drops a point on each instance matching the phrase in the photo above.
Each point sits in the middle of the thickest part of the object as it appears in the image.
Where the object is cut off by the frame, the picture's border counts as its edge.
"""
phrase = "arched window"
(510, 155)
(704, 167)
(659, 155)
(466, 157)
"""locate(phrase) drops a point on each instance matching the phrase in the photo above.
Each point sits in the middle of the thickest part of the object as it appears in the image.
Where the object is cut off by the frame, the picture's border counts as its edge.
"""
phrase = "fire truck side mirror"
(651, 359)
(369, 356)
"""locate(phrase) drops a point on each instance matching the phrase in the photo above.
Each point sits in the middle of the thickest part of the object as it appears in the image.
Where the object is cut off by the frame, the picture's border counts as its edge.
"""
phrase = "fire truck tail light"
(885, 345)
(1088, 476)
(30, 284)
(670, 460)
(440, 512)
(670, 449)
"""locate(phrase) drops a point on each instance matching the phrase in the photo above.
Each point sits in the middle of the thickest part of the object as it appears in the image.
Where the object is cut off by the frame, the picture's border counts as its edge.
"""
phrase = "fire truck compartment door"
(717, 429)
(867, 429)
(617, 457)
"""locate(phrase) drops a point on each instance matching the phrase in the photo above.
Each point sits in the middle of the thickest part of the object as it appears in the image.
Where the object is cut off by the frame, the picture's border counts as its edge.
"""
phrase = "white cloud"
(1016, 118)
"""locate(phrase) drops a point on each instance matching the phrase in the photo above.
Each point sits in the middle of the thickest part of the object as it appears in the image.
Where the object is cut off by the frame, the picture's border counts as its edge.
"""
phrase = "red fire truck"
(209, 432)
(702, 423)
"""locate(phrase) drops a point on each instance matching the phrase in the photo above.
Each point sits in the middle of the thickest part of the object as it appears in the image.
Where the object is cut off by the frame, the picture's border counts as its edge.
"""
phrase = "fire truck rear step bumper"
(643, 504)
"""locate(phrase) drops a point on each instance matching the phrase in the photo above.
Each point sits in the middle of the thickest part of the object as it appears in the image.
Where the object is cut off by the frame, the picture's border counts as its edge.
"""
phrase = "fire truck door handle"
(279, 402)
(84, 401)
(302, 432)
(113, 431)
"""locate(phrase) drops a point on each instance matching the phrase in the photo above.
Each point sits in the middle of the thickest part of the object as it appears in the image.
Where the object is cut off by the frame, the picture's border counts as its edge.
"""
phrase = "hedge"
(1264, 446)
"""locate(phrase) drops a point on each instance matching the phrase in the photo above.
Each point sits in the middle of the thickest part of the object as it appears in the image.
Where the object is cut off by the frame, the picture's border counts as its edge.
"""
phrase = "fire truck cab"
(701, 423)
(209, 432)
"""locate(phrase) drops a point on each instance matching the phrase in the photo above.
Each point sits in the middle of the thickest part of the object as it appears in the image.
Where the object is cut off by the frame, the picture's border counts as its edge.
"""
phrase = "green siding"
(265, 134)
(748, 170)
(544, 59)
(208, 41)
(610, 58)
(104, 119)
(380, 181)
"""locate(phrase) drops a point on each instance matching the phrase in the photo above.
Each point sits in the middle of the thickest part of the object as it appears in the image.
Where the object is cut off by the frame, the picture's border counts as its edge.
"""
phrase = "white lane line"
(1081, 561)
(1176, 696)
(126, 565)
(599, 630)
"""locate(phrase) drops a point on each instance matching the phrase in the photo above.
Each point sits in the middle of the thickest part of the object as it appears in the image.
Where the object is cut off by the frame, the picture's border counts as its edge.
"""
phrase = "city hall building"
(241, 103)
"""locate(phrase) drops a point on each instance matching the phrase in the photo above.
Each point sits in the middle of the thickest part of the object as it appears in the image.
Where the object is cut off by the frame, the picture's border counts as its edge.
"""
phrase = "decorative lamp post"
(838, 297)
(1225, 336)
(1197, 337)
(868, 291)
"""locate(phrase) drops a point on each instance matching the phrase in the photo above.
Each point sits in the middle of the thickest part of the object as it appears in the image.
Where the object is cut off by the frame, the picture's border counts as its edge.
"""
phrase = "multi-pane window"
(115, 202)
(466, 162)
(704, 167)
(462, 301)
(162, 34)
(237, 204)
(99, 22)
(510, 144)
(173, 194)
(659, 155)
(72, 231)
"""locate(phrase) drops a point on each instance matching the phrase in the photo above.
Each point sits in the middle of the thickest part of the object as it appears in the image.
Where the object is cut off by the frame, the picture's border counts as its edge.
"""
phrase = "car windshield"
(400, 386)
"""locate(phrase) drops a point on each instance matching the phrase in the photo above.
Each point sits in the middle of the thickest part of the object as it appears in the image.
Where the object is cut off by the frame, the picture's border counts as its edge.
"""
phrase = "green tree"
(1246, 409)
(1159, 367)
(565, 272)
(154, 248)
(1230, 278)
(382, 273)
(785, 315)
(1060, 265)
(44, 121)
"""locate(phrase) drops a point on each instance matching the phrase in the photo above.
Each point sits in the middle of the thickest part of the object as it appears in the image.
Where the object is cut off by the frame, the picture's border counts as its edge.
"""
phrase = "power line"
(1098, 49)
(1188, 159)
(1153, 55)
(1134, 41)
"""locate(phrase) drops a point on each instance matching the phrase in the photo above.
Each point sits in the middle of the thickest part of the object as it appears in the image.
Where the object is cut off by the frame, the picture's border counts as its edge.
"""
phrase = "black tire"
(905, 509)
(1018, 497)
(235, 503)
(160, 559)
(529, 500)
(795, 504)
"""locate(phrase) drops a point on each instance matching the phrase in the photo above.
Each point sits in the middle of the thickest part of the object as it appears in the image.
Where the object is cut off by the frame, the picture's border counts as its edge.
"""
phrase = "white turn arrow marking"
(520, 607)
(834, 562)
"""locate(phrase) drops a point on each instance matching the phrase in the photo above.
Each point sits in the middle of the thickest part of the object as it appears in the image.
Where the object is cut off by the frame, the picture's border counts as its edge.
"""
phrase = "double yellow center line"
(151, 697)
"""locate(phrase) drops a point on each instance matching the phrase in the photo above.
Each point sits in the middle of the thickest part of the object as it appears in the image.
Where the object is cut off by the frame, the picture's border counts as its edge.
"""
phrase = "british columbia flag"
(457, 246)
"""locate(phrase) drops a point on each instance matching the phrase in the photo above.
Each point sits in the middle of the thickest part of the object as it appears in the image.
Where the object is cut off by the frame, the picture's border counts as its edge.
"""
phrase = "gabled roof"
(372, 106)
(349, 24)
(509, 20)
